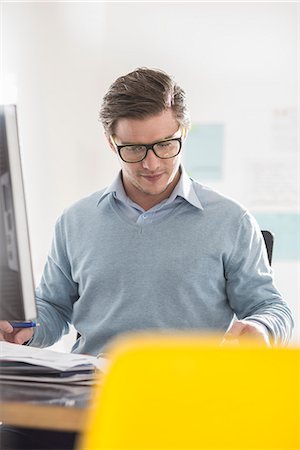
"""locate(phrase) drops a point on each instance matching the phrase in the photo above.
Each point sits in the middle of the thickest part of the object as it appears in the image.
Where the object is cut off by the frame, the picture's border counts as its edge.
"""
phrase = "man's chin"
(155, 191)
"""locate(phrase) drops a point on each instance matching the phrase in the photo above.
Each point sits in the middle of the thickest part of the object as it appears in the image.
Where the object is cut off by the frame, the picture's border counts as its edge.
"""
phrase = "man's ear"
(110, 142)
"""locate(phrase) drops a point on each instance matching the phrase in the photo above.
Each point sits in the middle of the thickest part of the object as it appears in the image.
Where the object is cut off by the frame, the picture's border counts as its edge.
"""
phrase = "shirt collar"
(116, 188)
(184, 189)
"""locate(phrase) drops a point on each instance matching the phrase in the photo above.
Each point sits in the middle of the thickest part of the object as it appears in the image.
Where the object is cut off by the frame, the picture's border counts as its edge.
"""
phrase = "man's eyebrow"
(168, 137)
(160, 140)
(171, 136)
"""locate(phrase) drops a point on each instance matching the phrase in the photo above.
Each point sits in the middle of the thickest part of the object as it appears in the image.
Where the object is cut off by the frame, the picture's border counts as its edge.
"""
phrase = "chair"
(269, 241)
(186, 392)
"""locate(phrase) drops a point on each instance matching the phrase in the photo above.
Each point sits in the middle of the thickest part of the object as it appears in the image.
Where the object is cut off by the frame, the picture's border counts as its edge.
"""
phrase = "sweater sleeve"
(250, 287)
(55, 294)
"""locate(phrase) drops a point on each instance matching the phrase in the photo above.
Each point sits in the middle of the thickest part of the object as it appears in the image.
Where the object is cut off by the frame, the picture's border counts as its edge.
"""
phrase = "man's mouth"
(152, 177)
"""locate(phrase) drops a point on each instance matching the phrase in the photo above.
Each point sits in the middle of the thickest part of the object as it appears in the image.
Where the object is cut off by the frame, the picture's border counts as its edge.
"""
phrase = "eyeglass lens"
(164, 150)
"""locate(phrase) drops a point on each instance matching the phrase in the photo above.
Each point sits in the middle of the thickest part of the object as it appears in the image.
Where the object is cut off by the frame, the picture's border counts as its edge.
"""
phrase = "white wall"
(236, 61)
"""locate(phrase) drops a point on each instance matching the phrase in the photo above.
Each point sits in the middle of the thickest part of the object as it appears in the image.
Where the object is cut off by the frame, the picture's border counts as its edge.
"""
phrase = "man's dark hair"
(140, 94)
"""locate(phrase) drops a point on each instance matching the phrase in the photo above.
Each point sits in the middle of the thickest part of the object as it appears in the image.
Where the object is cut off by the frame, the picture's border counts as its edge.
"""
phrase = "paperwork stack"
(19, 363)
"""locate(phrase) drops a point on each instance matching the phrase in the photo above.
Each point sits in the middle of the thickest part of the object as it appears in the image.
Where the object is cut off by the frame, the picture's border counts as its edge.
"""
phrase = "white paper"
(48, 358)
(76, 379)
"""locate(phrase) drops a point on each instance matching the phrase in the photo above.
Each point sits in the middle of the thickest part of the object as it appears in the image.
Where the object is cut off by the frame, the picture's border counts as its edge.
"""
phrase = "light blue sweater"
(193, 269)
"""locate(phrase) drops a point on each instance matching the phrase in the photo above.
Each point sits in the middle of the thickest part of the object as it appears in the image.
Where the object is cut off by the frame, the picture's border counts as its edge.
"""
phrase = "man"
(156, 249)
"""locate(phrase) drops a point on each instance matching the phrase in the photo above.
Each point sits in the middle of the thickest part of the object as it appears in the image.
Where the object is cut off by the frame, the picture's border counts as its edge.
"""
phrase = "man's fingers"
(235, 331)
(229, 342)
(7, 337)
(23, 335)
(14, 335)
(242, 330)
(5, 327)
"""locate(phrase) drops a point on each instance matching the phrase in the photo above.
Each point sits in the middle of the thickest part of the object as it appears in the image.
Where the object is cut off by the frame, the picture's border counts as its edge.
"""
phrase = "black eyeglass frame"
(149, 147)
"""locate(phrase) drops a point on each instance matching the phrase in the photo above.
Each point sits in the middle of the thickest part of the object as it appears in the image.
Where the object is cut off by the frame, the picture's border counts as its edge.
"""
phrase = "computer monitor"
(17, 300)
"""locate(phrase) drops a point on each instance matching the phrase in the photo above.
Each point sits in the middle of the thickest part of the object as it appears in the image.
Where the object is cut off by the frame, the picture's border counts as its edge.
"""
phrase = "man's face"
(150, 181)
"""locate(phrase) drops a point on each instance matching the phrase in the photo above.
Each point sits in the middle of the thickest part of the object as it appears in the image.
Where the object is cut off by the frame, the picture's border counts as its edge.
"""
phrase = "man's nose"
(151, 162)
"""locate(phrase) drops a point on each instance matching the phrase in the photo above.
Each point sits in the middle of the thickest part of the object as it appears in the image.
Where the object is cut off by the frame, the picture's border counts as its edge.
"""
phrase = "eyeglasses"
(133, 153)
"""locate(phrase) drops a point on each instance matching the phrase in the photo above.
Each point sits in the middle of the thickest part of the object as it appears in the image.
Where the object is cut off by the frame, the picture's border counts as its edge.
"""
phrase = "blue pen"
(20, 324)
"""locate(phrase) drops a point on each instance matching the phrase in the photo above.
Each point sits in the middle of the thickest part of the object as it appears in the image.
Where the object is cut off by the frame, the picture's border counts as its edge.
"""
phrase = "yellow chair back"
(187, 392)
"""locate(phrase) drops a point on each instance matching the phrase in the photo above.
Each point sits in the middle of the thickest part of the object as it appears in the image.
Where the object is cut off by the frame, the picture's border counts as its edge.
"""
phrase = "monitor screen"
(17, 301)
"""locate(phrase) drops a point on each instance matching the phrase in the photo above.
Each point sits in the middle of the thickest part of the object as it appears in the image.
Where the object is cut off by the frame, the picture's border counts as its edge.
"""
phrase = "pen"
(20, 324)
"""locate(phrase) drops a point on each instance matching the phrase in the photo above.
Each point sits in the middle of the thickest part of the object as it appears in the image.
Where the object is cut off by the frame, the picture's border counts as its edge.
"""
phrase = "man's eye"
(134, 149)
(137, 149)
(164, 144)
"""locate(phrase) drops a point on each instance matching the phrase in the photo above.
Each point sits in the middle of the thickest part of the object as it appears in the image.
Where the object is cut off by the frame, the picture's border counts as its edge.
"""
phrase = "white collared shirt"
(183, 191)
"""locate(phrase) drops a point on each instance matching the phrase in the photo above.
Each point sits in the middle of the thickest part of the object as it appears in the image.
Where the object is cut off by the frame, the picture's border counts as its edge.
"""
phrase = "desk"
(61, 408)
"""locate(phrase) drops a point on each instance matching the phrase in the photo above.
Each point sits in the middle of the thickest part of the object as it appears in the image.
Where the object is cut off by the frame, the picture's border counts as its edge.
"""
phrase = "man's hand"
(241, 329)
(14, 335)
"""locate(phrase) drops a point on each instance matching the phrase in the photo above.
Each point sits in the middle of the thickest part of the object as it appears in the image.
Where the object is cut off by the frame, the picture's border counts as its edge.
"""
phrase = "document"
(25, 363)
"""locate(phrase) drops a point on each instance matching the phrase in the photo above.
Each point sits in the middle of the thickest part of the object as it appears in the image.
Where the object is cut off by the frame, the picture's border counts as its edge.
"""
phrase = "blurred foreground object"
(185, 391)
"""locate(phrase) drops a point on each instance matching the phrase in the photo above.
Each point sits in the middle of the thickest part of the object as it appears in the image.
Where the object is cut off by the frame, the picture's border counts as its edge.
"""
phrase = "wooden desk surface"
(61, 408)
(30, 415)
